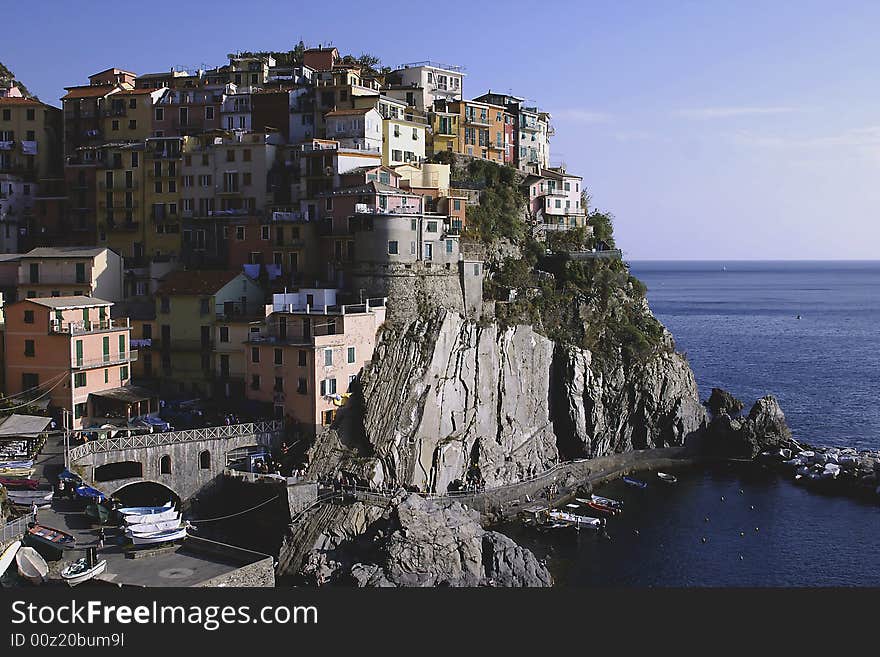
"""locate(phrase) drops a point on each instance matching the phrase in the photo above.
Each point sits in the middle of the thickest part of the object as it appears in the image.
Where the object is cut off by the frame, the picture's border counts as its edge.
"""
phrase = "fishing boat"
(8, 556)
(667, 478)
(168, 514)
(54, 538)
(635, 483)
(144, 510)
(159, 537)
(31, 565)
(87, 492)
(79, 571)
(603, 509)
(14, 484)
(152, 527)
(28, 497)
(607, 501)
(574, 519)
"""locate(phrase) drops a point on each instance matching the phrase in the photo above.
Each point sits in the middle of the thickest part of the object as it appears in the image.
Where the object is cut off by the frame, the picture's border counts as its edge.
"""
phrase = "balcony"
(479, 120)
(116, 111)
(227, 191)
(124, 226)
(118, 205)
(105, 361)
(84, 327)
(118, 185)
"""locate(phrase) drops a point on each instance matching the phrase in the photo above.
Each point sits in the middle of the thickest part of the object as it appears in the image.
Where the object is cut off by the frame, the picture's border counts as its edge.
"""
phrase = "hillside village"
(239, 234)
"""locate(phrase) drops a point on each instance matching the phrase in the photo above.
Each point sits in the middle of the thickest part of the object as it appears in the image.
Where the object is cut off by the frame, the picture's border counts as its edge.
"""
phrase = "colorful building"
(555, 199)
(403, 141)
(429, 82)
(70, 271)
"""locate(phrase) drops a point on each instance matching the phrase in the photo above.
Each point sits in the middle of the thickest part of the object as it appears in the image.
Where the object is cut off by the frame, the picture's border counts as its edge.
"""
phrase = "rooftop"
(372, 187)
(23, 425)
(69, 303)
(88, 91)
(349, 112)
(64, 252)
(195, 282)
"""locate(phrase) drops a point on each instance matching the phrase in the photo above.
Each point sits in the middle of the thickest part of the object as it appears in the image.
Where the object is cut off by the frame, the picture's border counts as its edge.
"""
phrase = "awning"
(126, 394)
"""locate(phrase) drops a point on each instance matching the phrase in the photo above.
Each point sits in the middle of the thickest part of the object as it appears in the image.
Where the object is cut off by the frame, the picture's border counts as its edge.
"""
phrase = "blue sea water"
(725, 526)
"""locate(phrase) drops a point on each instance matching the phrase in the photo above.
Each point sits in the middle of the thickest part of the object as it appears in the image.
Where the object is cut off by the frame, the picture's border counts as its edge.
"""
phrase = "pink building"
(555, 199)
(67, 351)
(308, 352)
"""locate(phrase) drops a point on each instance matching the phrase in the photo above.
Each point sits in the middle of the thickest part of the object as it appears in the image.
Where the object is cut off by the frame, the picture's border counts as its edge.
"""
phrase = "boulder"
(763, 428)
(721, 401)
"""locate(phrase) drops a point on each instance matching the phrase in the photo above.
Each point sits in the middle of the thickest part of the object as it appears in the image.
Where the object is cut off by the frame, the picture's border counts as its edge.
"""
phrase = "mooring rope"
(232, 515)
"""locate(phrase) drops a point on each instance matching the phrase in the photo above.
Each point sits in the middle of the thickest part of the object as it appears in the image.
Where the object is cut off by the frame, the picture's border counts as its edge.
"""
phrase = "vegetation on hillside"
(369, 63)
(6, 75)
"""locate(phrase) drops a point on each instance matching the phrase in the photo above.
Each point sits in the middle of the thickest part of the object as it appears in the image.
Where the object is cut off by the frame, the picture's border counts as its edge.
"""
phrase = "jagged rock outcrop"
(721, 401)
(446, 397)
(420, 543)
(764, 427)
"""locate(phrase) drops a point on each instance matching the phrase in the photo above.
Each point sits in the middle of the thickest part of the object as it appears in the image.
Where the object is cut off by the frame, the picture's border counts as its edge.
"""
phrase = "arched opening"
(119, 470)
(146, 493)
(205, 460)
(165, 465)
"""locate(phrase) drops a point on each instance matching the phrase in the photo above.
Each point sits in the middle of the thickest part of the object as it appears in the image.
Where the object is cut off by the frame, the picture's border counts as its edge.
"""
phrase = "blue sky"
(710, 129)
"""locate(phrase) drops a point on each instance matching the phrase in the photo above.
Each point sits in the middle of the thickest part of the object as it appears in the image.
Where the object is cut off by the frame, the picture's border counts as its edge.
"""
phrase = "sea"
(806, 332)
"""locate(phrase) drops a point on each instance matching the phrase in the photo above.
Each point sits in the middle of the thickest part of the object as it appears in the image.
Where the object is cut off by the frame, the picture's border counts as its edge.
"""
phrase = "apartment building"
(554, 199)
(128, 114)
(482, 130)
(428, 81)
(70, 271)
(530, 128)
(357, 129)
(186, 111)
(403, 141)
(67, 349)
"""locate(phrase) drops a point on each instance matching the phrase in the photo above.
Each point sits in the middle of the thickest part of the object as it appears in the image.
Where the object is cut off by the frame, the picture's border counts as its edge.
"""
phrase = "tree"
(603, 227)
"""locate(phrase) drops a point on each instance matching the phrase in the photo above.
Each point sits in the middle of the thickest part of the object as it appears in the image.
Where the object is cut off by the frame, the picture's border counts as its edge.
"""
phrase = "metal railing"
(262, 431)
(13, 530)
(106, 360)
(82, 327)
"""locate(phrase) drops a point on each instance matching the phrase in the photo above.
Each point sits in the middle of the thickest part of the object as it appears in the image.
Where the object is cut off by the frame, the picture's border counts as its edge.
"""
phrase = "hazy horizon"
(711, 131)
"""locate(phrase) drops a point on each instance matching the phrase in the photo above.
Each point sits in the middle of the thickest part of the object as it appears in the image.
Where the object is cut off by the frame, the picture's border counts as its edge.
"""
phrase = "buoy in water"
(741, 491)
(740, 557)
(706, 519)
(756, 529)
(752, 507)
(722, 498)
(704, 539)
(636, 532)
(742, 533)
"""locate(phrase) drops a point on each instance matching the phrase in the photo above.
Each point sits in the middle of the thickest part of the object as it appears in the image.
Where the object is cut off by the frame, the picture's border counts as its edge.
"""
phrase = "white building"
(355, 128)
(403, 142)
(429, 81)
(16, 204)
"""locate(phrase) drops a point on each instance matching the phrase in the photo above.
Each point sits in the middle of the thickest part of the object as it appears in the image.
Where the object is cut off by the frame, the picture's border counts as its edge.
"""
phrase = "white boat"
(170, 514)
(159, 537)
(667, 478)
(17, 464)
(607, 501)
(571, 518)
(31, 565)
(8, 556)
(152, 527)
(79, 571)
(28, 497)
(145, 510)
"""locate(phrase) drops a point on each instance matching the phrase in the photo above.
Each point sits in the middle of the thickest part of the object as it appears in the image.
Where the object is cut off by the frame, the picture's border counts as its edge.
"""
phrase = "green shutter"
(79, 352)
(122, 345)
(106, 342)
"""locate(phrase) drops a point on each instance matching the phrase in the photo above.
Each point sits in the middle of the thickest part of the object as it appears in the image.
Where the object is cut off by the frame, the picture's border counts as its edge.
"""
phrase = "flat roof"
(23, 425)
(126, 394)
(64, 252)
(67, 303)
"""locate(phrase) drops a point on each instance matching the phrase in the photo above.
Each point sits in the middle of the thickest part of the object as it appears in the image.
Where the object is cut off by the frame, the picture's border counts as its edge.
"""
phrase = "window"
(302, 358)
(328, 357)
(432, 227)
(31, 115)
(327, 417)
(204, 306)
(123, 373)
(164, 304)
(34, 272)
(209, 113)
(301, 386)
(205, 460)
(165, 465)
(350, 355)
(160, 113)
(476, 270)
(255, 381)
(279, 384)
(429, 251)
(279, 357)
(328, 387)
(413, 224)
(246, 154)
(80, 410)
(106, 376)
(132, 124)
(264, 232)
(392, 247)
(79, 380)
(28, 316)
(448, 246)
(239, 232)
(29, 348)
(224, 334)
(255, 354)
(230, 155)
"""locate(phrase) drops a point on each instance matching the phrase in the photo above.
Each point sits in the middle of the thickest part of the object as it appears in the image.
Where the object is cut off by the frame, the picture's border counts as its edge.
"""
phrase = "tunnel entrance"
(146, 493)
(119, 470)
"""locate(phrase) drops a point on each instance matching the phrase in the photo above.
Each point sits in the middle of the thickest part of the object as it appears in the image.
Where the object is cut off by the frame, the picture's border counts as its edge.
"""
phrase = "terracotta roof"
(349, 112)
(137, 92)
(14, 100)
(195, 282)
(88, 91)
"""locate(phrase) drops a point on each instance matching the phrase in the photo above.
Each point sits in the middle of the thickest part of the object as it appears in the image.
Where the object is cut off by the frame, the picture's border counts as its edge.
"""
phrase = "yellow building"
(403, 142)
(443, 134)
(163, 164)
(30, 138)
(121, 224)
(128, 114)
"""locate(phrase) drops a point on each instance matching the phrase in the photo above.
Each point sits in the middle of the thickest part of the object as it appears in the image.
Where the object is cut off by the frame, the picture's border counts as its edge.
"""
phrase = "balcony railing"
(83, 327)
(478, 120)
(105, 361)
(118, 185)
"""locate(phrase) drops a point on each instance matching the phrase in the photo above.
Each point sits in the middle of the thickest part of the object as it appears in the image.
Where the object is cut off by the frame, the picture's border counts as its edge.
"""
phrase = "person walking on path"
(34, 512)
(101, 536)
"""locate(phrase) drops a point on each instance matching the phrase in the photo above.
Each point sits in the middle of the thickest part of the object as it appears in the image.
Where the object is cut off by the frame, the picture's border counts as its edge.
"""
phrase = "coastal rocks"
(721, 401)
(764, 428)
(421, 543)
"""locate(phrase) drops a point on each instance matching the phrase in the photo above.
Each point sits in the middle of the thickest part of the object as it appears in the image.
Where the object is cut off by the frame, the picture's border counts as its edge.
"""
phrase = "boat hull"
(54, 538)
(170, 514)
(152, 527)
(19, 484)
(79, 578)
(159, 537)
(31, 565)
(8, 556)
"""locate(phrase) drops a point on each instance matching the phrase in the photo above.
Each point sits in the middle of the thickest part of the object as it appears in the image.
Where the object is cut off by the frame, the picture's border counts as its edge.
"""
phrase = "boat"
(168, 514)
(607, 501)
(144, 510)
(8, 556)
(16, 464)
(635, 483)
(159, 537)
(31, 565)
(602, 508)
(574, 519)
(13, 484)
(79, 571)
(17, 473)
(667, 478)
(97, 511)
(90, 493)
(152, 527)
(28, 497)
(52, 537)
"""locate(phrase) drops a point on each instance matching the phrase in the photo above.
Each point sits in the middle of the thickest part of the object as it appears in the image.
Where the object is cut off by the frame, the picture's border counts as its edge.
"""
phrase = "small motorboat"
(28, 497)
(31, 565)
(159, 537)
(16, 464)
(574, 519)
(79, 571)
(168, 514)
(89, 493)
(54, 538)
(635, 483)
(604, 509)
(605, 501)
(144, 510)
(667, 478)
(152, 528)
(18, 484)
(8, 556)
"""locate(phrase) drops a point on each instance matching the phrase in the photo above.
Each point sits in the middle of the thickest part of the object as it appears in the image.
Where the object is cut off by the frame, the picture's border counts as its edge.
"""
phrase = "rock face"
(721, 401)
(446, 397)
(419, 543)
(764, 428)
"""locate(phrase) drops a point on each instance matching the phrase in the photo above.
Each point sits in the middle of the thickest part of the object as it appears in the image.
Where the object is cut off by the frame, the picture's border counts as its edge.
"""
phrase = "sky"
(711, 130)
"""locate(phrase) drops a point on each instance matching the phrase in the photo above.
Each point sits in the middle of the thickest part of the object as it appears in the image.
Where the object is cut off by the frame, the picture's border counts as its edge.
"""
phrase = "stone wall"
(257, 570)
